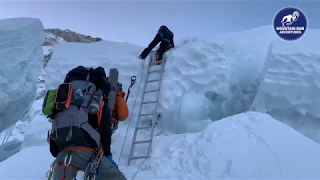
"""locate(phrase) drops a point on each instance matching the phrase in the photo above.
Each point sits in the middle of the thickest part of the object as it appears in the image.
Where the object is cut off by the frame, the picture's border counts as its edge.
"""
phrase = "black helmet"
(163, 27)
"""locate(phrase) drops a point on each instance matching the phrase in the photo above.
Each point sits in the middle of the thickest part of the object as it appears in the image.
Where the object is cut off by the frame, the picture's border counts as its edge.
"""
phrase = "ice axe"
(133, 81)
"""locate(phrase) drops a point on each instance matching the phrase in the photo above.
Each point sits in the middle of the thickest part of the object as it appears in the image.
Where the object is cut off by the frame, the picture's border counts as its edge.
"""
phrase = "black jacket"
(98, 77)
(165, 37)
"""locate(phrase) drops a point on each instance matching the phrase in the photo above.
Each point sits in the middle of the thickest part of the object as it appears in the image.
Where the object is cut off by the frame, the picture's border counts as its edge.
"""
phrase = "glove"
(112, 161)
(141, 57)
(144, 54)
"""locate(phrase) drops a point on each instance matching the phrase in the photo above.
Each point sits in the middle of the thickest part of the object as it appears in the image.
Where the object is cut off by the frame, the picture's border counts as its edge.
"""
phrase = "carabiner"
(67, 160)
(133, 80)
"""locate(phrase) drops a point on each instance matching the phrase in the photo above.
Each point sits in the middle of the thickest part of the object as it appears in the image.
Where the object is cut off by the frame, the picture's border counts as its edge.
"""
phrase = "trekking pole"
(133, 81)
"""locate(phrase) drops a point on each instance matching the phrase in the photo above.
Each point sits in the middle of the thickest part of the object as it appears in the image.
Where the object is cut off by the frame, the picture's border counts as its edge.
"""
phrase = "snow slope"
(36, 132)
(21, 57)
(237, 147)
(106, 54)
(52, 39)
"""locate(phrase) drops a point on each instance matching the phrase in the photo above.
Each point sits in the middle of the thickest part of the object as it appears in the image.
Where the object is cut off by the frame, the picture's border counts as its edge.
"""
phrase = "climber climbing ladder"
(152, 70)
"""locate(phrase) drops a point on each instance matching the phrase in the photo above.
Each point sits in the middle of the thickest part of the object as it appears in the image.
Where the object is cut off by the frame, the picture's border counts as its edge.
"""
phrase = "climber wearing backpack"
(165, 37)
(80, 137)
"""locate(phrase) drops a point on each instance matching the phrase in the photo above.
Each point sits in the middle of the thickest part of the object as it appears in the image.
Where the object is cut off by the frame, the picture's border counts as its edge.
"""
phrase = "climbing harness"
(133, 81)
(134, 105)
(92, 168)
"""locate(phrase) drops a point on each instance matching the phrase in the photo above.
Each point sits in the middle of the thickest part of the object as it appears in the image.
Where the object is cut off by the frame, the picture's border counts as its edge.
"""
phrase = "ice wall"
(290, 88)
(229, 65)
(21, 58)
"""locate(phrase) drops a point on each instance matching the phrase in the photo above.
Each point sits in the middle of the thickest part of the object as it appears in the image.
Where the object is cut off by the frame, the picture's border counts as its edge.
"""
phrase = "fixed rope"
(126, 134)
(136, 173)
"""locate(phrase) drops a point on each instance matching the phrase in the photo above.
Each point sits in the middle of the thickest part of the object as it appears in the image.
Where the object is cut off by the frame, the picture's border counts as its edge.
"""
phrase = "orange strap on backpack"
(99, 114)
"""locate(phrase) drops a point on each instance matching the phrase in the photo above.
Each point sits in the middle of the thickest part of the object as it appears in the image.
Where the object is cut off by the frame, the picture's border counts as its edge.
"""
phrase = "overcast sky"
(137, 21)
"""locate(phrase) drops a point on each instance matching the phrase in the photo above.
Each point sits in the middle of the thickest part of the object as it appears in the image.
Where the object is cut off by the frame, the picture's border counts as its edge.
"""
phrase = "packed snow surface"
(245, 146)
(21, 57)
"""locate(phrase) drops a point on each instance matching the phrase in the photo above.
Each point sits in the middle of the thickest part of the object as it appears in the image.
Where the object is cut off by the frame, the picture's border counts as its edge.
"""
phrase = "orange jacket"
(121, 108)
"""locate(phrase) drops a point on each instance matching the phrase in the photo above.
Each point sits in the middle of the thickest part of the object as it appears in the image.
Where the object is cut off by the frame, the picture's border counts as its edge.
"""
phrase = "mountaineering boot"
(158, 58)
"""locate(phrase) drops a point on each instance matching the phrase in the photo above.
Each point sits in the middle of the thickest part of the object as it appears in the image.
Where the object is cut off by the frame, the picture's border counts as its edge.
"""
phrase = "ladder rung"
(149, 91)
(156, 65)
(150, 127)
(149, 102)
(146, 114)
(147, 127)
(145, 141)
(153, 71)
(153, 80)
(139, 157)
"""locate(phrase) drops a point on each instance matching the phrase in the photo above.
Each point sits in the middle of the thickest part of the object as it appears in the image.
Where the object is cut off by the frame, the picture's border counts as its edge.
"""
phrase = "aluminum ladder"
(151, 115)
